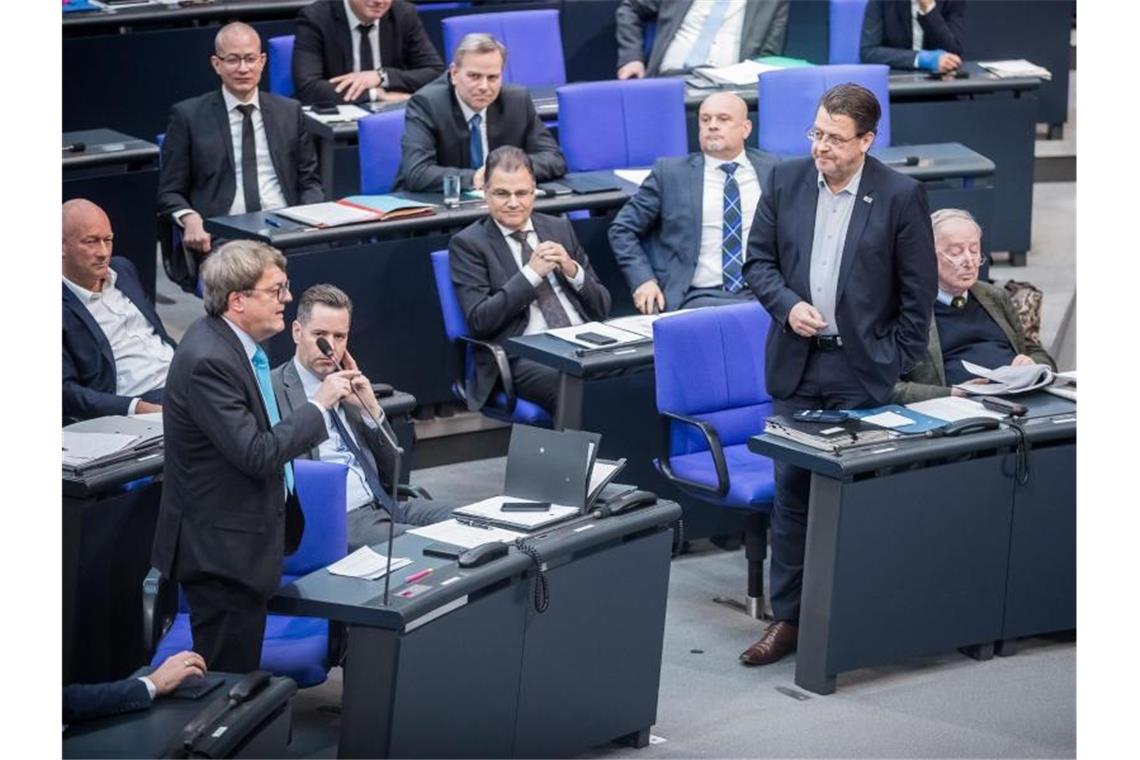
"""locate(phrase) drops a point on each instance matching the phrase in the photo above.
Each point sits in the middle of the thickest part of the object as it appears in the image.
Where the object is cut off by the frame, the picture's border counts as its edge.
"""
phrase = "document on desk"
(953, 408)
(636, 176)
(1017, 67)
(343, 113)
(619, 336)
(328, 214)
(367, 564)
(458, 534)
(85, 448)
(490, 512)
(1006, 380)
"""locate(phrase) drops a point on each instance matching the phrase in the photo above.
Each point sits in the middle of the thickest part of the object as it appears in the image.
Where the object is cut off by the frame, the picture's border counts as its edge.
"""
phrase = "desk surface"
(105, 479)
(575, 361)
(106, 146)
(165, 14)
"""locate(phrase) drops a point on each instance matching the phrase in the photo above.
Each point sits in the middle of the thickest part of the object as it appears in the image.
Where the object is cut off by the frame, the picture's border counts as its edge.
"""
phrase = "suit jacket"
(888, 276)
(888, 36)
(496, 296)
(198, 155)
(83, 701)
(928, 378)
(323, 49)
(765, 26)
(437, 139)
(657, 233)
(89, 377)
(223, 510)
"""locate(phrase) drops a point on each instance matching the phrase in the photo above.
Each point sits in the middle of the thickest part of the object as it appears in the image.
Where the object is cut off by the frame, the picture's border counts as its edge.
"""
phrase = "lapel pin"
(867, 199)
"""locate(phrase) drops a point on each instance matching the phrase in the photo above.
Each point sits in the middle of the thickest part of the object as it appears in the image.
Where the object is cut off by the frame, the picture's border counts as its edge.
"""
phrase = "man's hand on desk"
(355, 83)
(334, 387)
(145, 407)
(1021, 360)
(384, 96)
(554, 252)
(648, 298)
(194, 235)
(176, 669)
(632, 70)
(363, 387)
(805, 320)
(949, 62)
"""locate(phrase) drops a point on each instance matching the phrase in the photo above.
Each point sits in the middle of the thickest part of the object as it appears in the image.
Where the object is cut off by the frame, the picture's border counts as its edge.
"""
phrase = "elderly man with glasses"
(973, 321)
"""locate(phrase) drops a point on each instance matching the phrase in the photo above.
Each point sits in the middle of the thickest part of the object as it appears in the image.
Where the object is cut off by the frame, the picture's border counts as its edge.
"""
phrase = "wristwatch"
(383, 78)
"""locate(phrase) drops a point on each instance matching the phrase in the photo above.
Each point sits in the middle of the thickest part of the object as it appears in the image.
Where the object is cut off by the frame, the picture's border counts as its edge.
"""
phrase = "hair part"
(855, 101)
(478, 42)
(235, 268)
(945, 215)
(324, 294)
(508, 158)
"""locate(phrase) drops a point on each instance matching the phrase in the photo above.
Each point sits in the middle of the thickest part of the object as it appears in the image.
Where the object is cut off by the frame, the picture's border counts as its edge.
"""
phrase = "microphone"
(326, 349)
(75, 147)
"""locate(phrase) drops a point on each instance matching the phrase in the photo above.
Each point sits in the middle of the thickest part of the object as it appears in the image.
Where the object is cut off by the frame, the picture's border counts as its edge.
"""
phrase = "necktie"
(366, 61)
(476, 142)
(548, 302)
(958, 302)
(700, 52)
(265, 385)
(249, 160)
(731, 247)
(371, 477)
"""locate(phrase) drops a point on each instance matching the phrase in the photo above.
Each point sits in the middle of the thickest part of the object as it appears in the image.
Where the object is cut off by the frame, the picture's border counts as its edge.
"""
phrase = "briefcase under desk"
(468, 668)
(918, 547)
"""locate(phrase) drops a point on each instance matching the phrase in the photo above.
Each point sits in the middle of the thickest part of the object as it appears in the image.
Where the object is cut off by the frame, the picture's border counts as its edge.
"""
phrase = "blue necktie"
(476, 142)
(700, 52)
(371, 477)
(265, 385)
(731, 247)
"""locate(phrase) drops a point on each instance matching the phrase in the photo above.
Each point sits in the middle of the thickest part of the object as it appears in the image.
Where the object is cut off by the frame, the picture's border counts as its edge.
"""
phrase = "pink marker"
(418, 576)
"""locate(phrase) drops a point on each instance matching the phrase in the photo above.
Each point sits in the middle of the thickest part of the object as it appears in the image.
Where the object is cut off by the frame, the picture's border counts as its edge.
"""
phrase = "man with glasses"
(841, 255)
(973, 320)
(229, 511)
(235, 150)
(518, 273)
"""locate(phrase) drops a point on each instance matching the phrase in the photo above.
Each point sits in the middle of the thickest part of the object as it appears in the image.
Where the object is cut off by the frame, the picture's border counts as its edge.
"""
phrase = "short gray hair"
(478, 42)
(324, 294)
(944, 215)
(234, 268)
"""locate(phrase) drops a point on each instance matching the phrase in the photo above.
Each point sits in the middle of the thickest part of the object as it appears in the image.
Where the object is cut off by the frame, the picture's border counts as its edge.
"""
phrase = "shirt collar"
(467, 112)
(945, 298)
(247, 342)
(232, 102)
(309, 381)
(507, 231)
(715, 163)
(87, 296)
(852, 185)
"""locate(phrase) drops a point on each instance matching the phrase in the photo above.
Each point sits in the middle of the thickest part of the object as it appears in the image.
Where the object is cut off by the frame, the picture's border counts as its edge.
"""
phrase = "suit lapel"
(696, 186)
(495, 125)
(222, 330)
(70, 301)
(223, 125)
(344, 33)
(991, 308)
(860, 213)
(461, 127)
(806, 202)
(295, 396)
(502, 251)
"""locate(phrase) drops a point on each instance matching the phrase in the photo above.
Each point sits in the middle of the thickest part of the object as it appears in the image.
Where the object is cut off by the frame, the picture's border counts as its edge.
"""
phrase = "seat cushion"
(751, 479)
(526, 412)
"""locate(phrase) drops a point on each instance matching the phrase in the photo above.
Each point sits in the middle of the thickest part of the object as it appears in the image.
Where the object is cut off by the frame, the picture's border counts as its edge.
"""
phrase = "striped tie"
(732, 248)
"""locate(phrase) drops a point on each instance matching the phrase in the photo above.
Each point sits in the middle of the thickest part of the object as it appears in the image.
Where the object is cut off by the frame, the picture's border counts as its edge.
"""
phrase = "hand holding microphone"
(359, 382)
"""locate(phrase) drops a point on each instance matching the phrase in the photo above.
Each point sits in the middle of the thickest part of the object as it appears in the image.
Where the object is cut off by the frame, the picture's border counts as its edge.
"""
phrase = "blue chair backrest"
(787, 101)
(454, 323)
(845, 30)
(321, 491)
(379, 150)
(533, 40)
(281, 65)
(614, 125)
(709, 364)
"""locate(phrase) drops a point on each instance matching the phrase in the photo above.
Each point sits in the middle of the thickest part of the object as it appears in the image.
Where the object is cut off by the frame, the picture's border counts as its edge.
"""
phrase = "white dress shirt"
(710, 261)
(536, 323)
(467, 114)
(142, 358)
(268, 187)
(725, 48)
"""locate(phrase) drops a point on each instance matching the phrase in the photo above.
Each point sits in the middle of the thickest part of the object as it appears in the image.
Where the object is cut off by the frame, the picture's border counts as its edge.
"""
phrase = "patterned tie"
(548, 302)
(366, 62)
(700, 52)
(265, 385)
(732, 249)
(371, 477)
(958, 302)
(249, 160)
(476, 142)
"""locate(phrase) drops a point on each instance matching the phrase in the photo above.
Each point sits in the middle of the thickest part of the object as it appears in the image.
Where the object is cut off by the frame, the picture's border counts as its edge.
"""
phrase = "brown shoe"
(778, 640)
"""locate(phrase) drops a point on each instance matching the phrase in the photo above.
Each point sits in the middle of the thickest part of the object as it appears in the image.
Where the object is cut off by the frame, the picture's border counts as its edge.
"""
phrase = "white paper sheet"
(887, 420)
(343, 113)
(366, 563)
(455, 533)
(81, 448)
(953, 408)
(491, 509)
(620, 336)
(636, 176)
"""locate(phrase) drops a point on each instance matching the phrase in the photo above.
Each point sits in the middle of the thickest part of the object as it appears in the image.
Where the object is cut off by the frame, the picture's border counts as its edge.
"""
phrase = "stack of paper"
(1006, 380)
(104, 441)
(366, 564)
(953, 408)
(616, 335)
(343, 113)
(1016, 68)
(81, 449)
(457, 534)
(327, 214)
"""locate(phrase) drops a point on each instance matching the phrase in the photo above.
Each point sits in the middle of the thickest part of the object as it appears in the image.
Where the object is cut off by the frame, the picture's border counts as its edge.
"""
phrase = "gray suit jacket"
(928, 378)
(657, 234)
(765, 25)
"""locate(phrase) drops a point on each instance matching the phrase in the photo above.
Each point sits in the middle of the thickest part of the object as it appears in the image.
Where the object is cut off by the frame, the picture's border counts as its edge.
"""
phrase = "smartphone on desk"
(525, 506)
(596, 339)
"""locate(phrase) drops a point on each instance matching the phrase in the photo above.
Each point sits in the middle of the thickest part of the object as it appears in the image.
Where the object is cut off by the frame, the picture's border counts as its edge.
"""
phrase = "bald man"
(234, 150)
(680, 240)
(115, 352)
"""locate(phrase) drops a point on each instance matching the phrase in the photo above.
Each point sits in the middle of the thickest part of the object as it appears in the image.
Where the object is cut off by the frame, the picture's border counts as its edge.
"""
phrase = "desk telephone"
(201, 735)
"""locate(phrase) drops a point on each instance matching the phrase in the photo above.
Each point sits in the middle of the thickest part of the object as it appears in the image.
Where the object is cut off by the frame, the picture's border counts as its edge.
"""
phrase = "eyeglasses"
(502, 196)
(277, 291)
(962, 258)
(821, 137)
(235, 61)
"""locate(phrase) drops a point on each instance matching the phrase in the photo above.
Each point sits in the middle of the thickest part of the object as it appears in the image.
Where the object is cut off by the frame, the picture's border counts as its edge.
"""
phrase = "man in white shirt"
(115, 352)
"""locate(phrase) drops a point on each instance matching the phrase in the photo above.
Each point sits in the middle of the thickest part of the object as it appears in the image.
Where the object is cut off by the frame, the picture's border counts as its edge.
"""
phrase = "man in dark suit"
(923, 34)
(691, 34)
(517, 273)
(680, 239)
(234, 150)
(221, 529)
(354, 439)
(353, 51)
(84, 701)
(841, 255)
(452, 124)
(115, 352)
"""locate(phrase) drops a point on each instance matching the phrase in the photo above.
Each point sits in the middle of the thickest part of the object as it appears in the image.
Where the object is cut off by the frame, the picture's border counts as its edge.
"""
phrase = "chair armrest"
(501, 364)
(715, 448)
(159, 606)
(382, 390)
(397, 404)
(405, 492)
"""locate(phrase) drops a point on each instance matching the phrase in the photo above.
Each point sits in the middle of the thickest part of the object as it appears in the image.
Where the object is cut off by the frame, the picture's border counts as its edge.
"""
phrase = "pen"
(272, 222)
(418, 576)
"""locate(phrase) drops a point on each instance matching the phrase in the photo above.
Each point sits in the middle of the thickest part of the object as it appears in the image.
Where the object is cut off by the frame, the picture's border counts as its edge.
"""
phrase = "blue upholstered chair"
(281, 65)
(845, 30)
(294, 646)
(379, 150)
(533, 40)
(618, 124)
(709, 366)
(506, 405)
(787, 100)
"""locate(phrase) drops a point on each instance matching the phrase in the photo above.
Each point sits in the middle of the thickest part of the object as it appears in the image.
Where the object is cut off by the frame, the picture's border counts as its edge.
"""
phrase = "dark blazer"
(223, 511)
(83, 701)
(198, 155)
(323, 49)
(888, 36)
(928, 378)
(888, 276)
(88, 364)
(765, 26)
(496, 296)
(437, 140)
(657, 233)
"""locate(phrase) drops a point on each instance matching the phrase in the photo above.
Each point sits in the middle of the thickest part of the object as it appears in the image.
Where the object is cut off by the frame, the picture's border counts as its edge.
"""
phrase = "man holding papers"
(518, 273)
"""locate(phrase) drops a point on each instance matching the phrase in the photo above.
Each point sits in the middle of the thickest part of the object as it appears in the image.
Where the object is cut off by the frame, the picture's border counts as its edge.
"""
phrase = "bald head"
(87, 243)
(238, 60)
(724, 125)
(235, 33)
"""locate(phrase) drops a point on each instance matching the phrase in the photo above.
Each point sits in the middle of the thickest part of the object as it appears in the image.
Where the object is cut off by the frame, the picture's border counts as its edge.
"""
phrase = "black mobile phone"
(446, 551)
(326, 110)
(596, 338)
(1004, 406)
(821, 415)
(525, 506)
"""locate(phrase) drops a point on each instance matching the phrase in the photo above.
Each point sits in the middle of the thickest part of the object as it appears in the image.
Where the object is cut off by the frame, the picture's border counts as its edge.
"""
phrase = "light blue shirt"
(832, 218)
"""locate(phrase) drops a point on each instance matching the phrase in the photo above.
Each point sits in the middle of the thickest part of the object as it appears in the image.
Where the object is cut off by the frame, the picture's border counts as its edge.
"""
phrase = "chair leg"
(755, 552)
